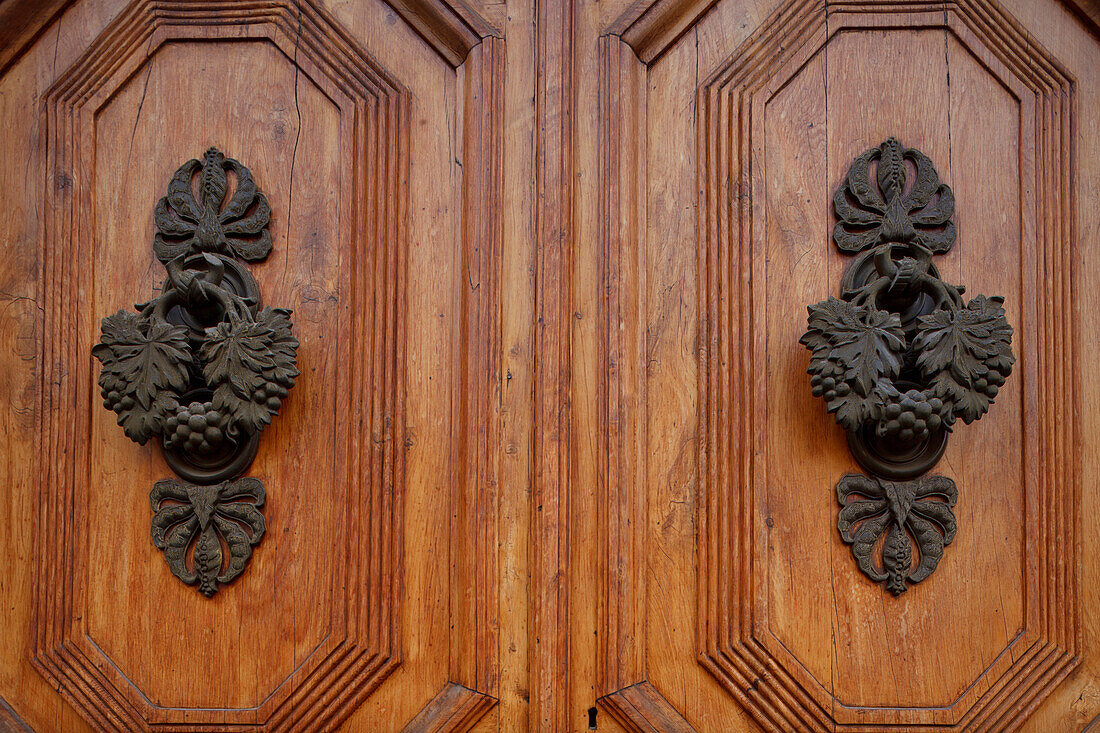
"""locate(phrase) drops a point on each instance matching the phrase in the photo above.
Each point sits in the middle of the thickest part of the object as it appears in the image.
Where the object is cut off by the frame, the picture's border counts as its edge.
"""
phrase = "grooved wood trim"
(640, 708)
(475, 563)
(10, 722)
(549, 623)
(734, 643)
(1088, 11)
(651, 26)
(364, 643)
(621, 507)
(455, 709)
(449, 26)
(22, 22)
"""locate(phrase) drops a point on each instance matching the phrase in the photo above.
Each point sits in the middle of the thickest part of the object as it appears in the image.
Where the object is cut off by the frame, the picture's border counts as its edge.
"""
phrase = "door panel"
(726, 133)
(323, 105)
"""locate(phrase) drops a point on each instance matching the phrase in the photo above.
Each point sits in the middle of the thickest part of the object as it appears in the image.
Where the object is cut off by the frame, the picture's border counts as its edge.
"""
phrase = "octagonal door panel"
(733, 601)
(346, 603)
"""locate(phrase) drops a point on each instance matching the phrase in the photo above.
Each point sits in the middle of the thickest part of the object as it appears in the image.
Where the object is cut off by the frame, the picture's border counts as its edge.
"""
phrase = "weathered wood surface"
(553, 448)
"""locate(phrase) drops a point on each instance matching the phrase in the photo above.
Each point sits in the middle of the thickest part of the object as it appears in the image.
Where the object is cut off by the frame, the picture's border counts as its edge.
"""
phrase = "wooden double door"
(552, 461)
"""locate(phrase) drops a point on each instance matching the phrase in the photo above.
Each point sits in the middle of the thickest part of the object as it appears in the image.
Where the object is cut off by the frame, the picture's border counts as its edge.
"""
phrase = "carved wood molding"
(650, 27)
(640, 708)
(363, 645)
(455, 709)
(554, 238)
(451, 27)
(621, 492)
(10, 722)
(735, 642)
(621, 502)
(475, 497)
(475, 561)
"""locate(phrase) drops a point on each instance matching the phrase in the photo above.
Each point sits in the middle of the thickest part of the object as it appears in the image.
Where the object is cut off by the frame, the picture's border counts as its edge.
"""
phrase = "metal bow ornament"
(900, 357)
(203, 367)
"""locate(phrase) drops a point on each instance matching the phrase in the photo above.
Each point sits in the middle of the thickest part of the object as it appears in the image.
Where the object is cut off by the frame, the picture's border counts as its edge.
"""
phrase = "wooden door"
(729, 598)
(552, 461)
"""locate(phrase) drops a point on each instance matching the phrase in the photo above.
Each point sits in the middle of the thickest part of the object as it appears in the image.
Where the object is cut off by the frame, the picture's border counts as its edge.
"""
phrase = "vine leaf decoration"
(251, 367)
(966, 354)
(187, 224)
(853, 349)
(915, 516)
(222, 522)
(897, 210)
(144, 371)
(901, 382)
(898, 358)
(203, 367)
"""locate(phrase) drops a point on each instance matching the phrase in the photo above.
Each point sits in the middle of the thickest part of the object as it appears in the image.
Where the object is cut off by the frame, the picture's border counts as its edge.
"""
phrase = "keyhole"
(591, 718)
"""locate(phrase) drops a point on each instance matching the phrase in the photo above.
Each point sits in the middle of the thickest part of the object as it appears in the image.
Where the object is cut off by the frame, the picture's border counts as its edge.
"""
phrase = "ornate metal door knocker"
(203, 367)
(898, 358)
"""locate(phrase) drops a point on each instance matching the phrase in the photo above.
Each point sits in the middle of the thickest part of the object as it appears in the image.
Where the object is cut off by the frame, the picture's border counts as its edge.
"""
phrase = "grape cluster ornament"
(899, 359)
(202, 368)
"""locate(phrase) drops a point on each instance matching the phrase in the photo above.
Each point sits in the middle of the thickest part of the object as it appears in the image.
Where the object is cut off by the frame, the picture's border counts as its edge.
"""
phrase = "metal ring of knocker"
(204, 368)
(899, 358)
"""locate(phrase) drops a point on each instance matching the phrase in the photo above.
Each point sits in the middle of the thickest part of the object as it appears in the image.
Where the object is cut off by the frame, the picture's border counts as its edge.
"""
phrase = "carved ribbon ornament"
(203, 367)
(899, 358)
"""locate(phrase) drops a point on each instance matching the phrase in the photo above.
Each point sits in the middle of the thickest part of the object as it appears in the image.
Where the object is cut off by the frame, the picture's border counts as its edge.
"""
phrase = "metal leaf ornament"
(966, 354)
(250, 365)
(204, 367)
(144, 371)
(899, 357)
(905, 381)
(854, 348)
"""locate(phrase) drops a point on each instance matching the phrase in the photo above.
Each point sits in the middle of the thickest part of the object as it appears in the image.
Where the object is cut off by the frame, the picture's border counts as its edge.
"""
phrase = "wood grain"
(549, 630)
(10, 722)
(781, 113)
(475, 562)
(455, 708)
(554, 459)
(622, 506)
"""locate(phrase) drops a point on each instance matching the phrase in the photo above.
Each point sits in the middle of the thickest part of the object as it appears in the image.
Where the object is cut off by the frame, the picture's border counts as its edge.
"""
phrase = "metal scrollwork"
(205, 517)
(203, 367)
(900, 357)
(909, 514)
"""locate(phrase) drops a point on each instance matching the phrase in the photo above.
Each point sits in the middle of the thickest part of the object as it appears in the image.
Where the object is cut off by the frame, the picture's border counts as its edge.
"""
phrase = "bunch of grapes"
(828, 381)
(271, 396)
(114, 399)
(195, 427)
(913, 415)
(991, 383)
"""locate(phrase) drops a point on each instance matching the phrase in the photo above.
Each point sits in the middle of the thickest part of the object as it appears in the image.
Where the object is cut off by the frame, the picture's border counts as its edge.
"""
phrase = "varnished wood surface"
(553, 452)
(769, 155)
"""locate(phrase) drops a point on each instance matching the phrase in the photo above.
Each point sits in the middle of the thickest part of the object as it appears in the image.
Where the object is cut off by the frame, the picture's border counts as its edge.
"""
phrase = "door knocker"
(203, 368)
(899, 358)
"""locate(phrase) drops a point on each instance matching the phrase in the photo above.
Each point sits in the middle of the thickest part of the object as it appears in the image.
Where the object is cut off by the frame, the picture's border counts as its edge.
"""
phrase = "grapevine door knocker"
(898, 359)
(203, 367)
